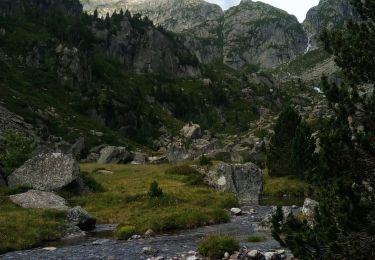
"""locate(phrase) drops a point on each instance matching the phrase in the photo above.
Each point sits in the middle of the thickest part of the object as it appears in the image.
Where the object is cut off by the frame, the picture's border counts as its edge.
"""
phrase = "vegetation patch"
(215, 246)
(26, 228)
(255, 238)
(126, 199)
(192, 176)
(125, 232)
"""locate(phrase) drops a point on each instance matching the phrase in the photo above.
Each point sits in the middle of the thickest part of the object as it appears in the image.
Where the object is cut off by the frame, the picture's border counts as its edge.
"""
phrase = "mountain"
(252, 33)
(260, 34)
(328, 14)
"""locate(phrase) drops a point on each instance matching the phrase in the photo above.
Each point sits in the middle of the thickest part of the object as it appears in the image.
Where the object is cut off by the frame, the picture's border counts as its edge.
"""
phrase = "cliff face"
(251, 33)
(327, 15)
(257, 33)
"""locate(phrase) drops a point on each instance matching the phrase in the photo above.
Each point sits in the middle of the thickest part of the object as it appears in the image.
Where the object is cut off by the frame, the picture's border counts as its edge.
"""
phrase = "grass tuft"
(215, 246)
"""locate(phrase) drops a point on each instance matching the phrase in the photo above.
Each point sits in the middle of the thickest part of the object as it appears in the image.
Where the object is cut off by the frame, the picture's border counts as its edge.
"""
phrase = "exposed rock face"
(327, 15)
(113, 154)
(173, 15)
(147, 50)
(257, 33)
(191, 131)
(46, 172)
(39, 200)
(79, 217)
(12, 122)
(244, 180)
(252, 33)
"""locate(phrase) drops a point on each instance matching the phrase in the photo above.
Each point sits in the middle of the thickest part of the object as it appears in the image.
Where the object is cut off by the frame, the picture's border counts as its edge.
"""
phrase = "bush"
(125, 232)
(16, 149)
(155, 190)
(215, 246)
(255, 238)
(203, 160)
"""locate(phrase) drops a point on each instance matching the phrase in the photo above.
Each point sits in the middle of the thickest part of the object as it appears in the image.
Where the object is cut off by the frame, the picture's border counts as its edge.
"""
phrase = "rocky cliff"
(257, 33)
(327, 15)
(251, 33)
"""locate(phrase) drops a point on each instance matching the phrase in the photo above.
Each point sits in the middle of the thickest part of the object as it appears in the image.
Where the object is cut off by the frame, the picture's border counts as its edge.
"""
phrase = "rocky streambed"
(181, 245)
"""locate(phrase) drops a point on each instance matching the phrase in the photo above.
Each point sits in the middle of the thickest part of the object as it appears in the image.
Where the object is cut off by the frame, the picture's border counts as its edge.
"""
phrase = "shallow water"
(168, 245)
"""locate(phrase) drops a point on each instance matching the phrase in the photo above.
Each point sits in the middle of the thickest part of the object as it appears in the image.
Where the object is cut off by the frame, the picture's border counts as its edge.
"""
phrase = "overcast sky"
(297, 7)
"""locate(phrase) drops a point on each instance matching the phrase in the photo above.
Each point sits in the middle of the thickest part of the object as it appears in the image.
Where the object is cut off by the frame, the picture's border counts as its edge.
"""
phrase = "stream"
(100, 245)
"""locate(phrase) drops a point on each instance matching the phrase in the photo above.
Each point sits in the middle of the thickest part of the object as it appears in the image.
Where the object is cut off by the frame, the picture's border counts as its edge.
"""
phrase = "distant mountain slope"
(327, 15)
(250, 34)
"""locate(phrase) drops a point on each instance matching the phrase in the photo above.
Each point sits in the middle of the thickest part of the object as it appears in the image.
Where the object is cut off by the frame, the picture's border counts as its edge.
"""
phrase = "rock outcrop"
(327, 15)
(244, 180)
(309, 211)
(46, 172)
(36, 199)
(191, 131)
(12, 122)
(113, 154)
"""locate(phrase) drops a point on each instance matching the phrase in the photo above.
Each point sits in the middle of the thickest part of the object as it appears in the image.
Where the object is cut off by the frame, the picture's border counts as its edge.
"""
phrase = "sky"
(297, 7)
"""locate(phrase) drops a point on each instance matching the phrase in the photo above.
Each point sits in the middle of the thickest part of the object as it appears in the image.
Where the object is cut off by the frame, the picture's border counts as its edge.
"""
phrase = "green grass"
(215, 246)
(126, 201)
(279, 186)
(25, 228)
(255, 238)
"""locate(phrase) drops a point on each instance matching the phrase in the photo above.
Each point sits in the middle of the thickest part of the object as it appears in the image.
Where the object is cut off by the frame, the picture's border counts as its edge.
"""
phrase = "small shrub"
(215, 246)
(255, 239)
(203, 160)
(155, 190)
(125, 232)
(16, 149)
(193, 177)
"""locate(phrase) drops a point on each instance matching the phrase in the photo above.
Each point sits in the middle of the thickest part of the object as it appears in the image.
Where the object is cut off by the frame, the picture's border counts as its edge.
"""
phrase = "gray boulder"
(46, 172)
(113, 154)
(191, 131)
(244, 180)
(158, 159)
(39, 200)
(139, 158)
(309, 210)
(79, 217)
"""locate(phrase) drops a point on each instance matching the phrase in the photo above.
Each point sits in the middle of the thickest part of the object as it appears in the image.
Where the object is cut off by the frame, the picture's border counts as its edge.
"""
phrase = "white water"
(309, 46)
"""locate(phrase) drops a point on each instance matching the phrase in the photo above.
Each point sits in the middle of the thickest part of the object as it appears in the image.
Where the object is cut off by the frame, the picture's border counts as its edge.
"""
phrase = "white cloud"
(297, 7)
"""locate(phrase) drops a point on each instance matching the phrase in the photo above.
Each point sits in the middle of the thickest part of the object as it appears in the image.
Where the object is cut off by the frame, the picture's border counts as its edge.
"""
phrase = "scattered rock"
(103, 171)
(139, 158)
(226, 255)
(191, 131)
(149, 251)
(113, 154)
(149, 233)
(254, 254)
(46, 172)
(236, 211)
(79, 217)
(309, 210)
(49, 248)
(39, 200)
(158, 159)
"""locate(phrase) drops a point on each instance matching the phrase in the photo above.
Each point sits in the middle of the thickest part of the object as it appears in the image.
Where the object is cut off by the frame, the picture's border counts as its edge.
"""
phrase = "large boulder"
(244, 180)
(113, 154)
(39, 200)
(78, 148)
(191, 131)
(46, 172)
(79, 217)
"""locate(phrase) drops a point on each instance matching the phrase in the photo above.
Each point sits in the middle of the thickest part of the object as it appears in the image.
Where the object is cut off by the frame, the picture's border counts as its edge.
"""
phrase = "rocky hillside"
(250, 34)
(327, 15)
